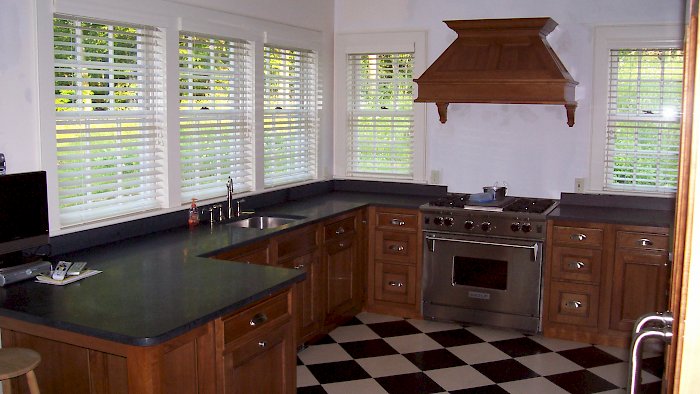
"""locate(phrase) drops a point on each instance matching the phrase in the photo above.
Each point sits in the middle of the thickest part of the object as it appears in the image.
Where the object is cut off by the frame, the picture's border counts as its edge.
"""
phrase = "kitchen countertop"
(636, 211)
(156, 287)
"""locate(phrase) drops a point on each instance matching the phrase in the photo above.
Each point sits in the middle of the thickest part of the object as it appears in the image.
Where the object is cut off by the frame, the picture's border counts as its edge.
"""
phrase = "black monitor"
(24, 216)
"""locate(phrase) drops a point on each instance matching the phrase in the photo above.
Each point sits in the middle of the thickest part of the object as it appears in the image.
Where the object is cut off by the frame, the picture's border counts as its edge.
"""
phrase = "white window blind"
(643, 126)
(109, 108)
(380, 115)
(216, 115)
(291, 101)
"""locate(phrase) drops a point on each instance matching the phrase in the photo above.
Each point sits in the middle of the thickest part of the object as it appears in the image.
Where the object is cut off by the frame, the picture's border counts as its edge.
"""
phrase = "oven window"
(487, 273)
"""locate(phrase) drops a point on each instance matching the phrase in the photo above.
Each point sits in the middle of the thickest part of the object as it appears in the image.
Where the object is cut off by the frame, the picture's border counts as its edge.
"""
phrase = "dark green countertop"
(156, 287)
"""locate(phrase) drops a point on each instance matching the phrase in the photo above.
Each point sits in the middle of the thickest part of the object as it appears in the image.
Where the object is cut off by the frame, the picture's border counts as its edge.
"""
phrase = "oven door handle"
(535, 247)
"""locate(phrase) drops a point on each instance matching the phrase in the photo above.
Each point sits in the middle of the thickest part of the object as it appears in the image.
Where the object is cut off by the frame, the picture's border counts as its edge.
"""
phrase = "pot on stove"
(498, 192)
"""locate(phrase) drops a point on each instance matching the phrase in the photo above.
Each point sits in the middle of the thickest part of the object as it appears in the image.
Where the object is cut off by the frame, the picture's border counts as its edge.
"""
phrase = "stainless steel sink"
(261, 222)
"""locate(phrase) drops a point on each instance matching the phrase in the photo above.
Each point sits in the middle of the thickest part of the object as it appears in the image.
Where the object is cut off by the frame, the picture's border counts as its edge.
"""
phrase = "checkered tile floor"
(384, 354)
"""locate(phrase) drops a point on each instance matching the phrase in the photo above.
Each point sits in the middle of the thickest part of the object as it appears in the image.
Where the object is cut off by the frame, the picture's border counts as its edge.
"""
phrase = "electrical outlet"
(580, 185)
(435, 177)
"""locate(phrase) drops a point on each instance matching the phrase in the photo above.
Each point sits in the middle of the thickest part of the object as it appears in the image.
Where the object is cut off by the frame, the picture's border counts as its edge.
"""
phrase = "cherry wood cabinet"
(343, 267)
(394, 261)
(600, 277)
(255, 253)
(257, 348)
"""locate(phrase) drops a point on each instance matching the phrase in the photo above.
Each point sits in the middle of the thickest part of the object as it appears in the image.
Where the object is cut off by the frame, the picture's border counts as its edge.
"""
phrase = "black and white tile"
(385, 354)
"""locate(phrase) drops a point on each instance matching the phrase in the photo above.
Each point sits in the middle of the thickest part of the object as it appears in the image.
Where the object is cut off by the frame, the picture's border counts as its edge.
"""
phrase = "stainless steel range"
(482, 262)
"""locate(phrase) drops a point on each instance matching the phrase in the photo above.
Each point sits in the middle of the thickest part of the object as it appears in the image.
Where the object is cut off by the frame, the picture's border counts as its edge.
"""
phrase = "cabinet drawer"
(635, 240)
(338, 228)
(577, 264)
(296, 243)
(580, 236)
(395, 283)
(338, 244)
(256, 317)
(395, 246)
(255, 253)
(397, 221)
(573, 303)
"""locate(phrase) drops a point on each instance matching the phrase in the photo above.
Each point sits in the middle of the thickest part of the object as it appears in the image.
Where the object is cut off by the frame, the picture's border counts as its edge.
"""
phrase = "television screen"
(24, 217)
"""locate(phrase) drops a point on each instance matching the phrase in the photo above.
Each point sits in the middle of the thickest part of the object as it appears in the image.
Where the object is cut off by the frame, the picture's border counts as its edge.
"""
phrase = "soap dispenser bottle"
(194, 214)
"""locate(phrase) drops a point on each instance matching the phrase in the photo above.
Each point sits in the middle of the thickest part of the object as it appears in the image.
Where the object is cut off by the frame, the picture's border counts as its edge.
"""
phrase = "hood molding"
(499, 61)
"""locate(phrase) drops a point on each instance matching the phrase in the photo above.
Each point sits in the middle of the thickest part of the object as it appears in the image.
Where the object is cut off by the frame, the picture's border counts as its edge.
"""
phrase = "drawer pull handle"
(645, 242)
(262, 344)
(578, 237)
(341, 245)
(258, 319)
(397, 248)
(397, 222)
(576, 265)
(340, 230)
(574, 304)
(395, 284)
(299, 266)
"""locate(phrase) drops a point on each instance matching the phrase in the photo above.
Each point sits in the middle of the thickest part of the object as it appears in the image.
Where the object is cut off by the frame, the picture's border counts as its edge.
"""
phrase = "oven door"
(482, 273)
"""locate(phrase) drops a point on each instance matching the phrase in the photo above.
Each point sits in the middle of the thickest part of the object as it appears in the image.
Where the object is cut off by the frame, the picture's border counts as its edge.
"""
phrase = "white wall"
(528, 146)
(19, 104)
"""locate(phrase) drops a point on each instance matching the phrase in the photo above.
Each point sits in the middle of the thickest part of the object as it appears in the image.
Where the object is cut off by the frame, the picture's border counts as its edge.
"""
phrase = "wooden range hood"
(499, 61)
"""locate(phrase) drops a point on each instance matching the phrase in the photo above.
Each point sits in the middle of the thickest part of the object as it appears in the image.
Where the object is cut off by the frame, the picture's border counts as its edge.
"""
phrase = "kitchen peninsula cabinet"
(394, 262)
(229, 352)
(255, 253)
(600, 277)
(344, 267)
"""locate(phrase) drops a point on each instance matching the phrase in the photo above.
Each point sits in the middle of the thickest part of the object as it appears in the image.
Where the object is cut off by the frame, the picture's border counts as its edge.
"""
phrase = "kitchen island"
(161, 314)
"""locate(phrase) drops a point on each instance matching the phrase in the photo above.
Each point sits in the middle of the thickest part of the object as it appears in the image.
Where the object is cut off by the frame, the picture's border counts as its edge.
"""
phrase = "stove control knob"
(449, 221)
(486, 226)
(527, 227)
(515, 226)
(438, 220)
(468, 225)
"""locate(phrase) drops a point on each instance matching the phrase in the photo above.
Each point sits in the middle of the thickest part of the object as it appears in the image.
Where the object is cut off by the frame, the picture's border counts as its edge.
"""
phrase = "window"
(216, 115)
(109, 112)
(380, 115)
(641, 118)
(290, 115)
(379, 130)
(644, 100)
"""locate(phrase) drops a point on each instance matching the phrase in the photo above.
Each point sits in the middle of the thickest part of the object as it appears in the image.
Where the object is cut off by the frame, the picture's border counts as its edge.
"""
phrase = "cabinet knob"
(340, 230)
(574, 304)
(299, 266)
(258, 319)
(395, 284)
(578, 237)
(262, 344)
(397, 222)
(576, 265)
(341, 245)
(397, 248)
(645, 242)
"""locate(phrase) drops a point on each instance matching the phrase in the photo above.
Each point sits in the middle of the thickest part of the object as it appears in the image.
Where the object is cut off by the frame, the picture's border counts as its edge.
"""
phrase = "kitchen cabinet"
(299, 250)
(394, 261)
(343, 268)
(600, 277)
(258, 348)
(255, 253)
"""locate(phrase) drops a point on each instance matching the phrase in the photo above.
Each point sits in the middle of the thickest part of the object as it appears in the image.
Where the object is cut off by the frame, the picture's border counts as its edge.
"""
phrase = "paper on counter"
(69, 279)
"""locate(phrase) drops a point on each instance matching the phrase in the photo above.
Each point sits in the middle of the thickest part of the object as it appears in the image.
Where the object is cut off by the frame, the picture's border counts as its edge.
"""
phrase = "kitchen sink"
(261, 222)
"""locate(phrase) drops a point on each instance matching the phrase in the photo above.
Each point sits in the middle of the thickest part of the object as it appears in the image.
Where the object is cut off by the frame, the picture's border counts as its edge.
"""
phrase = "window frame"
(377, 43)
(608, 38)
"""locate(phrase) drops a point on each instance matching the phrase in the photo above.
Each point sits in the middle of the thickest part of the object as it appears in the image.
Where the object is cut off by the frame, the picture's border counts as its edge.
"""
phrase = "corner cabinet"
(394, 262)
(599, 278)
(343, 267)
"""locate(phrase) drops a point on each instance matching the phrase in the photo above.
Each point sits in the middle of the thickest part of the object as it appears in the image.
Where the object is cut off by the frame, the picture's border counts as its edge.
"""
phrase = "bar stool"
(16, 361)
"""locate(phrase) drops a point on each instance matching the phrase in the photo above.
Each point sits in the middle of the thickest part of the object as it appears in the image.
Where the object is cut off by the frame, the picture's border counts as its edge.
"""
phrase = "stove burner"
(529, 205)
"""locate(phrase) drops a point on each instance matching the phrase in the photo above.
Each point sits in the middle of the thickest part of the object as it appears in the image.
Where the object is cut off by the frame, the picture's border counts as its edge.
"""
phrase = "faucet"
(229, 199)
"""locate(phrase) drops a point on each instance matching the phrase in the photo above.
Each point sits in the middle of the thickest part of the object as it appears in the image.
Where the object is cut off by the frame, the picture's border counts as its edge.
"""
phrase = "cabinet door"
(342, 282)
(640, 281)
(307, 296)
(263, 364)
(255, 253)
